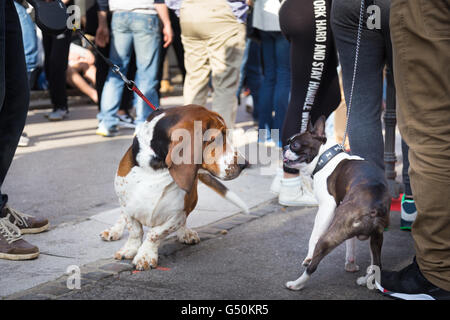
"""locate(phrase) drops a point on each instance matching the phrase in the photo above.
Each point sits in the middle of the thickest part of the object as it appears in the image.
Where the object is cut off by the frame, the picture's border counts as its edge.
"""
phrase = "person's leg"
(57, 65)
(243, 71)
(365, 130)
(283, 82)
(14, 100)
(408, 206)
(267, 89)
(196, 62)
(15, 92)
(421, 42)
(121, 42)
(225, 50)
(76, 80)
(176, 41)
(147, 42)
(254, 75)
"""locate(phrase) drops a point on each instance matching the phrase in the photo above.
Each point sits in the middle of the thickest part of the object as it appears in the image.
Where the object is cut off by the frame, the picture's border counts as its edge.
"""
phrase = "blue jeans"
(276, 86)
(251, 72)
(142, 31)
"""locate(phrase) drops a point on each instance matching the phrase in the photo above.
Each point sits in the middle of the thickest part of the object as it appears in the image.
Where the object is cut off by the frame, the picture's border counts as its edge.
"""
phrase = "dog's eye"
(212, 139)
(295, 145)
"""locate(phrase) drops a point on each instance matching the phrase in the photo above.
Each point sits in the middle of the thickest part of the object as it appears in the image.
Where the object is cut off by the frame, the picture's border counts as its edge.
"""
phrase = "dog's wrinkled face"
(302, 148)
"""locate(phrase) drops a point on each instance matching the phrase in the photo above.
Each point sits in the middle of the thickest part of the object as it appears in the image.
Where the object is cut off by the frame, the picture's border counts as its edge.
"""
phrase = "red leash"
(115, 68)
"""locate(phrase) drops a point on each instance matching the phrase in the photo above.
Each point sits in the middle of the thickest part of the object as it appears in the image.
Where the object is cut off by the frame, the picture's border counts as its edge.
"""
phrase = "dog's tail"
(222, 190)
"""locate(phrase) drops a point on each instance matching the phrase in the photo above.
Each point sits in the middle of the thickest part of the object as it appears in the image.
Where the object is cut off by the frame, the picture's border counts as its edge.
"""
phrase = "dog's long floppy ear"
(319, 127)
(181, 164)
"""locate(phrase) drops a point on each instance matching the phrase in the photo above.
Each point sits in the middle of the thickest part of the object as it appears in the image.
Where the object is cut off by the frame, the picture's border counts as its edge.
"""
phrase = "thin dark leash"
(130, 84)
(355, 67)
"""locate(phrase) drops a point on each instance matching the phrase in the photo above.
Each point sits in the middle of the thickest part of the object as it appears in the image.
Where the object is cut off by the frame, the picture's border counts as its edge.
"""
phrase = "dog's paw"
(145, 262)
(351, 266)
(110, 235)
(306, 262)
(125, 253)
(293, 285)
(189, 237)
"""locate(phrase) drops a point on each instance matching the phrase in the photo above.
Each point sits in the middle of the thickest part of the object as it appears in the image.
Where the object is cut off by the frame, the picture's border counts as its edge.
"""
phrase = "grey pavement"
(67, 176)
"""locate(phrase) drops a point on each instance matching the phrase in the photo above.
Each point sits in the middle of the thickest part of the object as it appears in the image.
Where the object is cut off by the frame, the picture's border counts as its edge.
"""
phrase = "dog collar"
(327, 156)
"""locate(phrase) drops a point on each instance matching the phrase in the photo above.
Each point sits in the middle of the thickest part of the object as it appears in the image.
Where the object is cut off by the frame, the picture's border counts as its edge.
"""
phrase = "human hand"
(167, 35)
(102, 33)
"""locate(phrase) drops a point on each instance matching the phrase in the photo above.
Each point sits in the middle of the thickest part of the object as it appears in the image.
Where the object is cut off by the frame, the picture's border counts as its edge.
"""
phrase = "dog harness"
(327, 156)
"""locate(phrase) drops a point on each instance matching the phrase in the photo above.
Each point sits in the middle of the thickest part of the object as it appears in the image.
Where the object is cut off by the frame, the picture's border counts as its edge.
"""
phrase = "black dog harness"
(327, 156)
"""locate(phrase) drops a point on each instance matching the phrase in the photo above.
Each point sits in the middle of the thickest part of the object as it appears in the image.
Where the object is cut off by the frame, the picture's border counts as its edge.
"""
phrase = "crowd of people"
(287, 56)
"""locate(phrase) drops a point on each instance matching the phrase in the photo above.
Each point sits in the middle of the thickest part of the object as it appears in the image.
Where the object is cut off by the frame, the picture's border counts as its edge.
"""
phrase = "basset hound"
(157, 178)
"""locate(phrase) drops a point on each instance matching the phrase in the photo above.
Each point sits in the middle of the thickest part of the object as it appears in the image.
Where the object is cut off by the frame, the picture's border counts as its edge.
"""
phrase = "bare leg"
(76, 80)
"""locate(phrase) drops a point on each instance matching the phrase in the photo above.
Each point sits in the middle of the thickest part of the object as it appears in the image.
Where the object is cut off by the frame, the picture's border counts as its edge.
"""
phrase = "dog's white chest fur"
(150, 196)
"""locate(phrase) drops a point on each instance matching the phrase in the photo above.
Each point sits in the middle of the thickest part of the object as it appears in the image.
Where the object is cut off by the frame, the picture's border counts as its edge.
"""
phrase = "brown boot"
(12, 246)
(25, 222)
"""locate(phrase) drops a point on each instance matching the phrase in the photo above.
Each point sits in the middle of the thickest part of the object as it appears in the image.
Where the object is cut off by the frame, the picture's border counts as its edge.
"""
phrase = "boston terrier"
(353, 198)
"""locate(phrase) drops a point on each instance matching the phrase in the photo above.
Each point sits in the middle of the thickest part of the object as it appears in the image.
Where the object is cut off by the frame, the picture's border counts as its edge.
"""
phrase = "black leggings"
(14, 89)
(315, 83)
(56, 50)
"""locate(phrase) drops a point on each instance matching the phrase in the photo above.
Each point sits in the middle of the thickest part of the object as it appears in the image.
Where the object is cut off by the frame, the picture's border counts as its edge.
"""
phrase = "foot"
(104, 132)
(126, 121)
(12, 246)
(166, 87)
(24, 141)
(58, 114)
(187, 236)
(26, 223)
(408, 213)
(410, 284)
(110, 235)
(276, 183)
(296, 192)
(351, 266)
(145, 260)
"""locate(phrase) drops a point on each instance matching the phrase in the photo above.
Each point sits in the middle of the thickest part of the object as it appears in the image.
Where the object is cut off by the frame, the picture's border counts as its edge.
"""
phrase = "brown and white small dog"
(353, 200)
(158, 191)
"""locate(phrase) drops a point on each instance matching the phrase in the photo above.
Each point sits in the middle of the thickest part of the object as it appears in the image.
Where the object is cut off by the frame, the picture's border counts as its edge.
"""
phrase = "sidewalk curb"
(93, 272)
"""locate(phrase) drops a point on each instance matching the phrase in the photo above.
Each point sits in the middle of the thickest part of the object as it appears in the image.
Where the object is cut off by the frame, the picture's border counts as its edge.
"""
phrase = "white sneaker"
(276, 183)
(58, 115)
(24, 141)
(296, 192)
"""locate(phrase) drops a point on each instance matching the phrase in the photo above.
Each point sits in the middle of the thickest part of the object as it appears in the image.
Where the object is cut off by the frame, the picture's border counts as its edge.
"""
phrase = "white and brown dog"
(353, 200)
(158, 191)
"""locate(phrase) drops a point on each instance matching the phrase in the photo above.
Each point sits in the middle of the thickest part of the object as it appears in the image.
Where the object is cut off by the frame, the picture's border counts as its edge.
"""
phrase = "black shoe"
(410, 284)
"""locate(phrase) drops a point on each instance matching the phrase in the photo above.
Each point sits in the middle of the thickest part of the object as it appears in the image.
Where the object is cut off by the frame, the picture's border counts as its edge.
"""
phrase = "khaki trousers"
(420, 35)
(214, 43)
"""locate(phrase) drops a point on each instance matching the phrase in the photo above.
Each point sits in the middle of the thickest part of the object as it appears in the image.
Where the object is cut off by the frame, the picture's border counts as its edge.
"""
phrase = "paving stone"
(94, 276)
(54, 290)
(117, 267)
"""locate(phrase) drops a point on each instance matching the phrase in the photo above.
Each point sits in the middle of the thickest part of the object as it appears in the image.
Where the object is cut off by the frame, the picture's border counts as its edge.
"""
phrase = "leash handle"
(355, 66)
